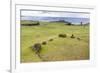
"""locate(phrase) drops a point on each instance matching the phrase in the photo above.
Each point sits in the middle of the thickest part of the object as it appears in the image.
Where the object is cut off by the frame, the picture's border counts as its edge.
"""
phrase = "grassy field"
(60, 49)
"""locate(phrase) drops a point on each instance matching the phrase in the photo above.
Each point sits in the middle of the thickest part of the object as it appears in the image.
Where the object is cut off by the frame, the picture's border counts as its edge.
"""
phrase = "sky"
(54, 14)
(73, 17)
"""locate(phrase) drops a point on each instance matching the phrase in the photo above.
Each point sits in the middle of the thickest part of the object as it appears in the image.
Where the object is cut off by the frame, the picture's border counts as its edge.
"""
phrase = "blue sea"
(73, 20)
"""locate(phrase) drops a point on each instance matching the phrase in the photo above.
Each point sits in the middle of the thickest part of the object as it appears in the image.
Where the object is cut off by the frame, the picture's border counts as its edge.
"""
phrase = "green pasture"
(60, 49)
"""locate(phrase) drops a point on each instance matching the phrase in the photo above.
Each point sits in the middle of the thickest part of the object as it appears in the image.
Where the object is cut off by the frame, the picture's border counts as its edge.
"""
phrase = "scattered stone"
(44, 43)
(62, 35)
(78, 39)
(72, 36)
(37, 47)
(50, 39)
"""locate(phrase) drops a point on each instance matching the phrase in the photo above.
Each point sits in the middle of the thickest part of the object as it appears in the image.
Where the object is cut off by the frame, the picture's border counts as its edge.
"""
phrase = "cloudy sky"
(54, 14)
(73, 17)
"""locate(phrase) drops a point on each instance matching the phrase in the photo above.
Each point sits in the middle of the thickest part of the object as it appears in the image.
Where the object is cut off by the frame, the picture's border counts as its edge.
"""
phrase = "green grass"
(60, 49)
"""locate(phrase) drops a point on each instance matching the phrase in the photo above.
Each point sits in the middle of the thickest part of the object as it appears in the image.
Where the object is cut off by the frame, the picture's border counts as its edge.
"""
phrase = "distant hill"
(57, 19)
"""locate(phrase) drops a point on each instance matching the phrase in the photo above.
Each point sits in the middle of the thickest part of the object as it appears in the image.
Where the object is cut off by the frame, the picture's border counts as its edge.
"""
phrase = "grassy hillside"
(59, 49)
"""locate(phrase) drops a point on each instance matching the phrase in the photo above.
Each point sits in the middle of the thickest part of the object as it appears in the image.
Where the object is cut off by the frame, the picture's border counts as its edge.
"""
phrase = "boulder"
(37, 47)
(62, 35)
(50, 39)
(44, 43)
(72, 36)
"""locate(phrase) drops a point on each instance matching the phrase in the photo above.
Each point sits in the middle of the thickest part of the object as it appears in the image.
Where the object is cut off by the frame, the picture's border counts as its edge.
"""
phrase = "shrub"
(68, 23)
(31, 24)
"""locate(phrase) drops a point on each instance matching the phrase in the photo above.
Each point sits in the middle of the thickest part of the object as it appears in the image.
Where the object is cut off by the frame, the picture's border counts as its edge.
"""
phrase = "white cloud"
(54, 14)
